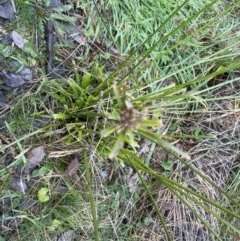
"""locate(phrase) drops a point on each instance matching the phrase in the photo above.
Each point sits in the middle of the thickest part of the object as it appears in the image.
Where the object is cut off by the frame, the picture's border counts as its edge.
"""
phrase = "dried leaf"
(26, 74)
(113, 51)
(34, 158)
(132, 183)
(72, 168)
(18, 185)
(56, 154)
(12, 80)
(166, 207)
(4, 13)
(17, 39)
(81, 39)
(71, 173)
(61, 189)
(144, 147)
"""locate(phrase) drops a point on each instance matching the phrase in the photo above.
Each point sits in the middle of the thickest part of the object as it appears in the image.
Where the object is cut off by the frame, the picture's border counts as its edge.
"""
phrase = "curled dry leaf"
(71, 173)
(72, 168)
(18, 185)
(81, 39)
(17, 39)
(35, 156)
(12, 80)
(167, 206)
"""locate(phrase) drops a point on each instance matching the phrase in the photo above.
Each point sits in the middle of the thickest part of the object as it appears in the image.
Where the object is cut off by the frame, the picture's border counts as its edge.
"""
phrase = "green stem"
(91, 197)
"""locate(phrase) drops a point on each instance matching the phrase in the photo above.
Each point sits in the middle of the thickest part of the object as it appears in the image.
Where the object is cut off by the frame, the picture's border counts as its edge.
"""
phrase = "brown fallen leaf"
(166, 207)
(71, 173)
(72, 168)
(81, 39)
(35, 156)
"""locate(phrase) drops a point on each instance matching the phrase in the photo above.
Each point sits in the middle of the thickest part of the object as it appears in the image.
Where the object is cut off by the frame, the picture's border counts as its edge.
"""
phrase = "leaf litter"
(34, 158)
(12, 80)
(71, 173)
(4, 13)
(17, 39)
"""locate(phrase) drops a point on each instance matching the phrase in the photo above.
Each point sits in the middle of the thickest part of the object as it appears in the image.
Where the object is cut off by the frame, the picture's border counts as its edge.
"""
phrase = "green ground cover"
(136, 137)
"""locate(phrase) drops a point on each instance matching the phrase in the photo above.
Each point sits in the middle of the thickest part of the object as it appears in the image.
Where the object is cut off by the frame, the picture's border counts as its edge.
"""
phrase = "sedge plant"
(108, 113)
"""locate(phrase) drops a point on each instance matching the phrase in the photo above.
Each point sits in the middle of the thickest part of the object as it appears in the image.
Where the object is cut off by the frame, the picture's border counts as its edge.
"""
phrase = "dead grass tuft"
(213, 158)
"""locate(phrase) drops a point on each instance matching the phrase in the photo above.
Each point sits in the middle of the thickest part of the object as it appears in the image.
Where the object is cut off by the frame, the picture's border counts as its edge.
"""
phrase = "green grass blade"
(141, 166)
(173, 190)
(126, 62)
(91, 197)
(160, 216)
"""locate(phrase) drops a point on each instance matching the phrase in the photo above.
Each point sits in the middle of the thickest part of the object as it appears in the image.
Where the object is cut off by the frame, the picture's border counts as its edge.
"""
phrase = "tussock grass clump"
(140, 143)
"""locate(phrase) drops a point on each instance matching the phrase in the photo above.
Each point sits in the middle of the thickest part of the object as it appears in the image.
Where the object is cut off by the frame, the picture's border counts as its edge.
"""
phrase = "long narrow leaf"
(155, 138)
(142, 166)
(152, 200)
(91, 197)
